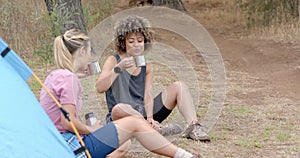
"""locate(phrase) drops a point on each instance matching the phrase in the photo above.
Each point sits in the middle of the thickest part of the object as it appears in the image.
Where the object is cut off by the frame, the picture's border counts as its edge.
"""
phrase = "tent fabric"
(25, 128)
(14, 60)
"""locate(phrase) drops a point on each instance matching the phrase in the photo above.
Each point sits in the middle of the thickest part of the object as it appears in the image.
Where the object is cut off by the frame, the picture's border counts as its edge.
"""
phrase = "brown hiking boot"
(171, 128)
(196, 132)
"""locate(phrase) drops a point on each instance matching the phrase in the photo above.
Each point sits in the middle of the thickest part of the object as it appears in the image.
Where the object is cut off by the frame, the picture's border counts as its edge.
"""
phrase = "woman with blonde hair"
(72, 52)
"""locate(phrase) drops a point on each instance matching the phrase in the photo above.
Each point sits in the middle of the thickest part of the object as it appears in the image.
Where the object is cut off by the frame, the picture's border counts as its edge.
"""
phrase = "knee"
(126, 145)
(121, 151)
(136, 120)
(179, 85)
(120, 109)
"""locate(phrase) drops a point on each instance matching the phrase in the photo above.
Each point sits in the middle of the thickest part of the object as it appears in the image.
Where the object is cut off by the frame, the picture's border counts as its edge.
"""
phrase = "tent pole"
(67, 117)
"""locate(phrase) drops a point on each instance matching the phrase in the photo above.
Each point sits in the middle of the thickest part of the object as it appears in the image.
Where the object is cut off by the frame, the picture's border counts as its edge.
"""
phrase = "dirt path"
(261, 118)
(277, 63)
(262, 108)
(261, 113)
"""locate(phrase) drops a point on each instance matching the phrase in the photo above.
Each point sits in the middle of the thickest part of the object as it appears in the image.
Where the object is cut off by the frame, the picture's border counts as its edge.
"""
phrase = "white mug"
(94, 68)
(90, 119)
(140, 60)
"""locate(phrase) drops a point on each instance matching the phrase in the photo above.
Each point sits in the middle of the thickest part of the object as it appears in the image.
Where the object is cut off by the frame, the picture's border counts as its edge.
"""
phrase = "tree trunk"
(49, 5)
(69, 9)
(175, 4)
(299, 10)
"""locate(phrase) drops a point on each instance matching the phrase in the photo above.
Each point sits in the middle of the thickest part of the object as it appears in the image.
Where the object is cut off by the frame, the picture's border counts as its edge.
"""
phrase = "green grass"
(218, 136)
(258, 145)
(34, 86)
(244, 143)
(266, 133)
(272, 128)
(283, 137)
(294, 149)
(249, 143)
(241, 110)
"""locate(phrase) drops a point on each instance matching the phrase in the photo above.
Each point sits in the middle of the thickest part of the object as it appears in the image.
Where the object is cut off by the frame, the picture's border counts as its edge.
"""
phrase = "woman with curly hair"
(124, 82)
(72, 52)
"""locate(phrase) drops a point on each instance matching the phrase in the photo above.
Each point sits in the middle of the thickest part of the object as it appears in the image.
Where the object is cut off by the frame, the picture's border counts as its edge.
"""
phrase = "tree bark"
(299, 10)
(49, 5)
(175, 4)
(75, 8)
(72, 8)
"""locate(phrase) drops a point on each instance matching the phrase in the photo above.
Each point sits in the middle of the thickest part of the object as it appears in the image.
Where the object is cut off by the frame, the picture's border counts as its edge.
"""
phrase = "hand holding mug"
(126, 63)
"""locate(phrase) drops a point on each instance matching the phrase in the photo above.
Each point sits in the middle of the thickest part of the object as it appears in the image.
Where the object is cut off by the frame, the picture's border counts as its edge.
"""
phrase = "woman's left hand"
(154, 124)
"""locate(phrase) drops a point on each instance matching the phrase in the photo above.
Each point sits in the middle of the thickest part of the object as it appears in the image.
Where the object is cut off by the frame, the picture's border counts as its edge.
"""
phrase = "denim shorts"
(103, 141)
(99, 143)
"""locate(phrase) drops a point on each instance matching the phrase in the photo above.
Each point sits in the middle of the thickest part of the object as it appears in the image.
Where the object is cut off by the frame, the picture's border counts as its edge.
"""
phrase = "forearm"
(149, 107)
(105, 81)
(149, 112)
(80, 127)
(148, 100)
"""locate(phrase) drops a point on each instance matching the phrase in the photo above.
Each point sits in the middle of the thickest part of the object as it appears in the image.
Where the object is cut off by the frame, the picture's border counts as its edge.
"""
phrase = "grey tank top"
(128, 89)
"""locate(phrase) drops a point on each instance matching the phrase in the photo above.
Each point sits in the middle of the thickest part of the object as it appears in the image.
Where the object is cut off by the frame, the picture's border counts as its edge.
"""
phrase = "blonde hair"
(66, 45)
(132, 24)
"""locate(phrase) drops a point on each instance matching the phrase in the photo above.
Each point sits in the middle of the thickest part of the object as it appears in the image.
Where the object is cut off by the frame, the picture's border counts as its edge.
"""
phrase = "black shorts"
(160, 112)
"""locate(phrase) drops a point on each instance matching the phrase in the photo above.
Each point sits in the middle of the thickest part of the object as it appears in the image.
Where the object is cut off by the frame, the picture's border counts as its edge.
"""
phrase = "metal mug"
(140, 60)
(94, 68)
(90, 118)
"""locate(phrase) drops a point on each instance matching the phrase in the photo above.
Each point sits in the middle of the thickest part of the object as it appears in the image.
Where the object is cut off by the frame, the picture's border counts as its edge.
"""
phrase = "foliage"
(94, 12)
(90, 16)
(267, 12)
(54, 21)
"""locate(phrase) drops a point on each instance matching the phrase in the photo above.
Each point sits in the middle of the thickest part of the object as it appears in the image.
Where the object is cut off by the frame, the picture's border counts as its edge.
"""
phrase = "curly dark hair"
(132, 24)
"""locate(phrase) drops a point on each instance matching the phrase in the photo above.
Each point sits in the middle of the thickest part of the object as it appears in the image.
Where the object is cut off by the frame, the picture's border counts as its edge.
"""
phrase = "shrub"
(267, 12)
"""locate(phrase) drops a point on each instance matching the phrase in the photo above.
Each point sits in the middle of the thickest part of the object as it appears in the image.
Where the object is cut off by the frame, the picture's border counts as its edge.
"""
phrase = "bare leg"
(121, 151)
(123, 110)
(119, 111)
(178, 94)
(139, 128)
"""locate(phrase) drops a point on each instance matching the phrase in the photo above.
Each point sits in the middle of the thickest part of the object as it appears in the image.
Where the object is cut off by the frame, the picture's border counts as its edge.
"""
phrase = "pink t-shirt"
(67, 89)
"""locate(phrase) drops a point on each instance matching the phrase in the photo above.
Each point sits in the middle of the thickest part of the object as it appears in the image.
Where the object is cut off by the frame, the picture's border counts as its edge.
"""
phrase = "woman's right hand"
(95, 127)
(126, 63)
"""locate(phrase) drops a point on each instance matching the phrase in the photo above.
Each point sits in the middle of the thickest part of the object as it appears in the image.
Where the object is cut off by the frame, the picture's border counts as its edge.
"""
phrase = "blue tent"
(25, 128)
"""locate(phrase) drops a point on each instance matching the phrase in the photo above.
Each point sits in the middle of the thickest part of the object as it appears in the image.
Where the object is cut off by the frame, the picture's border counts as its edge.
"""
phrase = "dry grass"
(217, 12)
(288, 32)
(24, 26)
(21, 25)
(213, 13)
